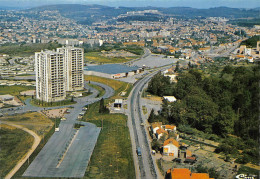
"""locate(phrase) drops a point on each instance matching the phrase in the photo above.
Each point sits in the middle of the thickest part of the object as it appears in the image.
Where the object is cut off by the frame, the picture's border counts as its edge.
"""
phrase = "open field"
(14, 145)
(14, 90)
(98, 58)
(45, 138)
(118, 86)
(112, 157)
(33, 121)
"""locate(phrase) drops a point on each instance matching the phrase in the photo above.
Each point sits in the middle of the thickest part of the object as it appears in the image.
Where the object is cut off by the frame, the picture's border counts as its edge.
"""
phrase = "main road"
(145, 164)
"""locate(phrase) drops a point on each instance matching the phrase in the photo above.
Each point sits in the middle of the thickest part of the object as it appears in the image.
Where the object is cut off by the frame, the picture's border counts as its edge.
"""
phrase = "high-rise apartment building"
(49, 67)
(58, 72)
(73, 66)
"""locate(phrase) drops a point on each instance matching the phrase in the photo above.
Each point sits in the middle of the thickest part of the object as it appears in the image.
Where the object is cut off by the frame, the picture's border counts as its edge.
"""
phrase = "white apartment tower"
(73, 67)
(49, 67)
(58, 72)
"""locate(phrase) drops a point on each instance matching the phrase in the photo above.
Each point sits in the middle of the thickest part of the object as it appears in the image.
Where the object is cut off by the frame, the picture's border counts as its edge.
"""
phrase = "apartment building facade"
(58, 72)
(73, 66)
(49, 67)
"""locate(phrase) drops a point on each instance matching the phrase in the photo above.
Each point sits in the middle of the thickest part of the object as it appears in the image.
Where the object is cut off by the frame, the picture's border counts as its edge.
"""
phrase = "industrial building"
(113, 71)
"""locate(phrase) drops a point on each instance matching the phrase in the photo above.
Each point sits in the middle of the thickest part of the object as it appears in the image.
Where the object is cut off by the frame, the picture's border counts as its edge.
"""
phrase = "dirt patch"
(55, 113)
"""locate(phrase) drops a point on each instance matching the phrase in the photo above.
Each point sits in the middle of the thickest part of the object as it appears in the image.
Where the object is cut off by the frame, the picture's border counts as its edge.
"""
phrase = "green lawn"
(98, 58)
(14, 90)
(112, 157)
(118, 86)
(100, 90)
(247, 170)
(15, 143)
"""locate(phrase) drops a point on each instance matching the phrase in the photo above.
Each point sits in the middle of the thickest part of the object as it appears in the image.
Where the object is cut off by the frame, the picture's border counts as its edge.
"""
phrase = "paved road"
(36, 142)
(146, 164)
(46, 162)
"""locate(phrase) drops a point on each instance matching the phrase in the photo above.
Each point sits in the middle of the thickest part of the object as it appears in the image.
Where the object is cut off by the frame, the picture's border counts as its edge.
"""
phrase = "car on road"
(138, 151)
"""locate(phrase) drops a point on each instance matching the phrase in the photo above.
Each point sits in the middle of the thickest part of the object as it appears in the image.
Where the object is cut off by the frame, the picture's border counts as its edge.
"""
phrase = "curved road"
(36, 142)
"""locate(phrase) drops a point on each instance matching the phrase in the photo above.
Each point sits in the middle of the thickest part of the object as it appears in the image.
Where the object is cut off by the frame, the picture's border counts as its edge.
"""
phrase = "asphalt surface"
(75, 153)
(146, 164)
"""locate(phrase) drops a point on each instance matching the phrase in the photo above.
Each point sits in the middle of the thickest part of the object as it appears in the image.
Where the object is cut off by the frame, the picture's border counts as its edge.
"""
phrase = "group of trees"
(223, 105)
(102, 107)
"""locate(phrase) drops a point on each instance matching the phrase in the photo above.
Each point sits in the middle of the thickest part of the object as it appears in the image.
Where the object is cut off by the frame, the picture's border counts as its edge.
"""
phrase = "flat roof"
(111, 68)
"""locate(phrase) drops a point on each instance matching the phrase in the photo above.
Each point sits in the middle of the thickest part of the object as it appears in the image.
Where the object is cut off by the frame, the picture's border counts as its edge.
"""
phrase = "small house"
(160, 132)
(171, 147)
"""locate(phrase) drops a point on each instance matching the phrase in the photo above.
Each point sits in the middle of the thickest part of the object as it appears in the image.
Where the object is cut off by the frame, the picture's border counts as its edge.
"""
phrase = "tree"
(72, 99)
(102, 107)
(151, 116)
(177, 68)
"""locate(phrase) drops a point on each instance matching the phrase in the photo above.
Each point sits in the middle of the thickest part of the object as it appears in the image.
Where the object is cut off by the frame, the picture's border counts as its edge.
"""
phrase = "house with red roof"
(171, 147)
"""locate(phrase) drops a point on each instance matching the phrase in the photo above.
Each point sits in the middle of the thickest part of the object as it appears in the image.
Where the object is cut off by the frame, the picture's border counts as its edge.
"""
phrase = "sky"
(138, 3)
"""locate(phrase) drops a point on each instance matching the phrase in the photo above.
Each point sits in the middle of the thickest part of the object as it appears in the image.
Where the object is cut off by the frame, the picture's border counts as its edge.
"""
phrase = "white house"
(155, 126)
(171, 147)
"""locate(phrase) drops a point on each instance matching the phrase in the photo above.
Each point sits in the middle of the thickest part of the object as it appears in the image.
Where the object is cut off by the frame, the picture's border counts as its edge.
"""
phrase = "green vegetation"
(15, 143)
(41, 103)
(34, 121)
(112, 157)
(118, 86)
(251, 42)
(102, 108)
(93, 53)
(246, 22)
(144, 109)
(100, 89)
(14, 90)
(247, 170)
(47, 133)
(26, 49)
(77, 125)
(98, 58)
(223, 103)
(211, 171)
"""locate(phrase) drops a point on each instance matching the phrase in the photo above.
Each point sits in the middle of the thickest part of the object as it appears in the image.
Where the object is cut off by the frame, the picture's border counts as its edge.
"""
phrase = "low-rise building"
(171, 147)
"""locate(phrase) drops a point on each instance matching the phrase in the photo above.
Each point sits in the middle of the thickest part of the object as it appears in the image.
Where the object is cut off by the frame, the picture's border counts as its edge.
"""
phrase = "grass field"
(14, 145)
(33, 121)
(14, 90)
(47, 135)
(247, 170)
(97, 58)
(100, 90)
(112, 157)
(118, 86)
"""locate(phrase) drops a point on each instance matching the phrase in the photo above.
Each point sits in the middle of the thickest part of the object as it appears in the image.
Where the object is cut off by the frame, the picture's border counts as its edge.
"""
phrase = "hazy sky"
(134, 3)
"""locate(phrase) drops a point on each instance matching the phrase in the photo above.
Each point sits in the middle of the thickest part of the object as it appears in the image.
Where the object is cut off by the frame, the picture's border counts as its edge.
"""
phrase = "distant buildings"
(58, 72)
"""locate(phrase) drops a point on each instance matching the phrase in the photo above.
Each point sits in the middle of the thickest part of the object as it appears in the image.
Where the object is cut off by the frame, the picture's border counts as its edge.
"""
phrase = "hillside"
(87, 14)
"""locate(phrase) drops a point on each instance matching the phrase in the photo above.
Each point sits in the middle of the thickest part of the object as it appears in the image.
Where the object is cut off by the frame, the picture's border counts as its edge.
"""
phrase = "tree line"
(225, 105)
